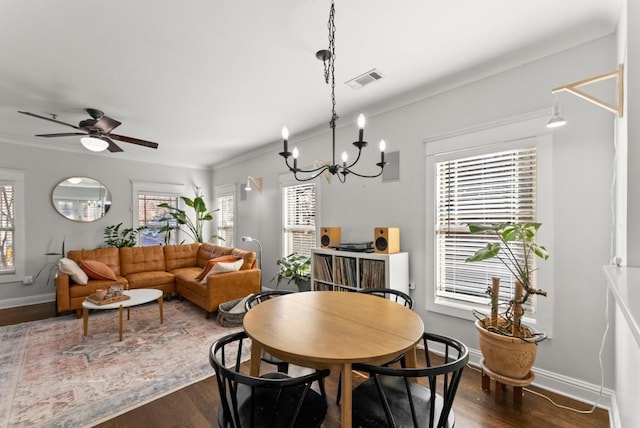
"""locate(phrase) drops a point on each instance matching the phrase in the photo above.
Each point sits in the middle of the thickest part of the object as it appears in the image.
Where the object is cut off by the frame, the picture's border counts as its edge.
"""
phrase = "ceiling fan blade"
(106, 124)
(64, 134)
(144, 143)
(48, 118)
(113, 147)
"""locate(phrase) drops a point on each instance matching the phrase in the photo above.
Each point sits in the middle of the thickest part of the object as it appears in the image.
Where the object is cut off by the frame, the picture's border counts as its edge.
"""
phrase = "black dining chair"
(271, 400)
(256, 299)
(397, 296)
(391, 294)
(412, 397)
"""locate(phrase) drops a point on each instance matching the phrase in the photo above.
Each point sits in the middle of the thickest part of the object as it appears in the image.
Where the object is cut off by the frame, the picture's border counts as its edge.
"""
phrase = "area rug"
(53, 376)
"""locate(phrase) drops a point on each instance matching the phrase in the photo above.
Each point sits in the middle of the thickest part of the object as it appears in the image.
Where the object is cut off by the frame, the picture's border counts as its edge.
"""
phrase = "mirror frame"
(82, 208)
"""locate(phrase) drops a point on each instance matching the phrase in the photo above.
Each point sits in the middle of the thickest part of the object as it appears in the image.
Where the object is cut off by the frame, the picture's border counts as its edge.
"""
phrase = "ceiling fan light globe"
(94, 144)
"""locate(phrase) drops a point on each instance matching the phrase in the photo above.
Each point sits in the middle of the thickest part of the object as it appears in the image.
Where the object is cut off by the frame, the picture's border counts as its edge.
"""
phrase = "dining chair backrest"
(263, 296)
(391, 294)
(271, 400)
(412, 397)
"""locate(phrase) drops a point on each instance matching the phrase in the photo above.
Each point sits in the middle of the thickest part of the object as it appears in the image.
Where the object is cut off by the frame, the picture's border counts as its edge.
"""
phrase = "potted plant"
(508, 346)
(297, 268)
(114, 237)
(52, 267)
(194, 228)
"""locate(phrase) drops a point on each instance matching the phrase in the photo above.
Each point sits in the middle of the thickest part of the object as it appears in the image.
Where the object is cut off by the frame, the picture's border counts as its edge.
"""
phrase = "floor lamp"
(250, 239)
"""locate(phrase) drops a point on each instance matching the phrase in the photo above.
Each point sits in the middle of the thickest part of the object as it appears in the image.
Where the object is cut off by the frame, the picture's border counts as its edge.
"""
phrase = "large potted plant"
(194, 227)
(508, 346)
(295, 268)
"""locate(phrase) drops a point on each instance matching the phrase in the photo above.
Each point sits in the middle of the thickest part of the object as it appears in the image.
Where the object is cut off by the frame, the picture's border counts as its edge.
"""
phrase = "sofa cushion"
(211, 263)
(223, 267)
(72, 269)
(97, 270)
(110, 256)
(209, 251)
(141, 259)
(180, 256)
(93, 284)
(152, 279)
(249, 258)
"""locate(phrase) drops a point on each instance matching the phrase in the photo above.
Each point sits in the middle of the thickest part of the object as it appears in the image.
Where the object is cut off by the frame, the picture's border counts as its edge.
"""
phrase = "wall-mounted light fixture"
(257, 182)
(250, 239)
(556, 120)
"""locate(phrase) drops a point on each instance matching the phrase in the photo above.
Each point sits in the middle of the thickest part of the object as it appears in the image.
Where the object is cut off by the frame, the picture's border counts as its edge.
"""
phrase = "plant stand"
(502, 382)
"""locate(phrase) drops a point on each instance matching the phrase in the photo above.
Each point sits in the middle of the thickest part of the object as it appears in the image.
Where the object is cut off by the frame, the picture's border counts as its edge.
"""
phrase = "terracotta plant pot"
(510, 357)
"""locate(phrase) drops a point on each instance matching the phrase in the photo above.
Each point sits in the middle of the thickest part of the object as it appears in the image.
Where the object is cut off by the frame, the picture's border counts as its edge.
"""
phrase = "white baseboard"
(576, 389)
(26, 301)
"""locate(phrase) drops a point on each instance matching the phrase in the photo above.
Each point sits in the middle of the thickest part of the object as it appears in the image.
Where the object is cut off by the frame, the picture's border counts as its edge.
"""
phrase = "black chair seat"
(416, 397)
(368, 410)
(272, 400)
(274, 412)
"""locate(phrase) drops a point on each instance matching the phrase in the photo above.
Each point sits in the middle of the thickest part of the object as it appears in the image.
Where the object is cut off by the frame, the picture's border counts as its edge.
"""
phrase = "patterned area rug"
(52, 376)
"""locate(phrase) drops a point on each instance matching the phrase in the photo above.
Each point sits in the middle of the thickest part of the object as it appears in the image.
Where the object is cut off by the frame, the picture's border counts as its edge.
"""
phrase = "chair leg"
(339, 393)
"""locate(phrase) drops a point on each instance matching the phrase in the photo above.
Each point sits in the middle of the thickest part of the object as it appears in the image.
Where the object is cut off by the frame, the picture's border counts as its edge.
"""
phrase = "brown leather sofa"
(170, 268)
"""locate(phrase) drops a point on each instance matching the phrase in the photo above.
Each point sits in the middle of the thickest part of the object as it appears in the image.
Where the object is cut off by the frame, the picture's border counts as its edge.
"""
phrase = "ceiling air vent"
(364, 79)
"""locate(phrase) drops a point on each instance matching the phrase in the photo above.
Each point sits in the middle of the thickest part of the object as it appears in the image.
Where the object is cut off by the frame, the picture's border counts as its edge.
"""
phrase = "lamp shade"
(94, 144)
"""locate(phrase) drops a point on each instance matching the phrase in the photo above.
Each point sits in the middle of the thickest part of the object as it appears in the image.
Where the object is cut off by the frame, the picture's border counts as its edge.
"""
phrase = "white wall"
(582, 177)
(45, 228)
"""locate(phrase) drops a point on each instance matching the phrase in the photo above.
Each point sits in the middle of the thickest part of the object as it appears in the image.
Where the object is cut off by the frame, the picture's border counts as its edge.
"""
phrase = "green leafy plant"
(194, 227)
(509, 323)
(114, 237)
(294, 267)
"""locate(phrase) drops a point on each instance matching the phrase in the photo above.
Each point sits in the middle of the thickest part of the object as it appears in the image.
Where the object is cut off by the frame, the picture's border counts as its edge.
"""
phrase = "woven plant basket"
(228, 319)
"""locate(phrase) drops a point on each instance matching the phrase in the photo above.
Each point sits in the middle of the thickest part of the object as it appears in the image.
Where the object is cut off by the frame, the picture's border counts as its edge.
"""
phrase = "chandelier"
(328, 56)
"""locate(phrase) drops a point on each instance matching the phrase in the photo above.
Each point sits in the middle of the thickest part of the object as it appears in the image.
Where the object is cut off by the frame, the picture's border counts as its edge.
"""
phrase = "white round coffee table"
(136, 297)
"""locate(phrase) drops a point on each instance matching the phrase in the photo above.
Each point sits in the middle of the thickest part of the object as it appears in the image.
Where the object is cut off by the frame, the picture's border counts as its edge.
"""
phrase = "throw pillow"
(222, 267)
(211, 263)
(72, 269)
(97, 270)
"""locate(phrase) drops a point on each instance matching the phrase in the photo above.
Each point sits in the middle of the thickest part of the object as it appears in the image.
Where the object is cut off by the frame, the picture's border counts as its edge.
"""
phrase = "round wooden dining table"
(333, 329)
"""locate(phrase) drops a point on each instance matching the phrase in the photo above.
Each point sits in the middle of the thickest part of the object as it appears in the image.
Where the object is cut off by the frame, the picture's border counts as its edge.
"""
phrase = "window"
(12, 242)
(496, 187)
(225, 203)
(497, 173)
(298, 218)
(146, 197)
(149, 215)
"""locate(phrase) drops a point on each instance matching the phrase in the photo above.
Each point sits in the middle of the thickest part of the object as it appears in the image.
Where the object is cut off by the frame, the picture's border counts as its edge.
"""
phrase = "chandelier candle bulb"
(344, 159)
(361, 127)
(382, 146)
(285, 138)
(295, 158)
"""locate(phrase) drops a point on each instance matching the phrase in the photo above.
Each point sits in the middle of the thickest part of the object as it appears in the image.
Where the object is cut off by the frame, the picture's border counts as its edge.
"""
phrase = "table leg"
(347, 385)
(256, 358)
(85, 319)
(160, 299)
(128, 313)
(120, 324)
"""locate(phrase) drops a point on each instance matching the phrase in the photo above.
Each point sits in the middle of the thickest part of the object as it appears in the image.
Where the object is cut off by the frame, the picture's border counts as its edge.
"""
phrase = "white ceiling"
(211, 79)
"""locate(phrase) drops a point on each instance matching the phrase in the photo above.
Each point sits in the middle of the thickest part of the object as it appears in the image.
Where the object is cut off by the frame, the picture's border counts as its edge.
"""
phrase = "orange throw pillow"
(212, 262)
(97, 270)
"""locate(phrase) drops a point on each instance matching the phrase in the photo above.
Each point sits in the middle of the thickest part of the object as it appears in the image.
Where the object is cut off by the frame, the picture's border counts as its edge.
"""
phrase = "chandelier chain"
(332, 61)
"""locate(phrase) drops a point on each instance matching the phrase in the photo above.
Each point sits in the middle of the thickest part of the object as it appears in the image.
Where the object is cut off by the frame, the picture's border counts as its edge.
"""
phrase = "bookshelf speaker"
(329, 237)
(386, 240)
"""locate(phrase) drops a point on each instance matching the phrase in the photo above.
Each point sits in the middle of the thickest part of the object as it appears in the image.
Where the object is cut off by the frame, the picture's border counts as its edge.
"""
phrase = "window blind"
(299, 218)
(7, 228)
(491, 188)
(226, 215)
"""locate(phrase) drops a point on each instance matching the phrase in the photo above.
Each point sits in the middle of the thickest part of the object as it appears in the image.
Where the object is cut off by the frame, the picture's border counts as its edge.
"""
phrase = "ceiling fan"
(99, 126)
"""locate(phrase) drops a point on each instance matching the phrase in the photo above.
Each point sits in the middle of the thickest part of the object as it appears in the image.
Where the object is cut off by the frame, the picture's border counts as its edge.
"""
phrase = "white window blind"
(7, 229)
(149, 215)
(226, 216)
(490, 188)
(299, 218)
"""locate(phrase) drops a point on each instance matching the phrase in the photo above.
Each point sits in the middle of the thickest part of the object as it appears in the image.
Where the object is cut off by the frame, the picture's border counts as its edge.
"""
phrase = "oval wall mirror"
(81, 199)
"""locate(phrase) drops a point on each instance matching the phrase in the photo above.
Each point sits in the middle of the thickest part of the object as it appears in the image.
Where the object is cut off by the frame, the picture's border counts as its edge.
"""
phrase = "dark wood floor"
(195, 405)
